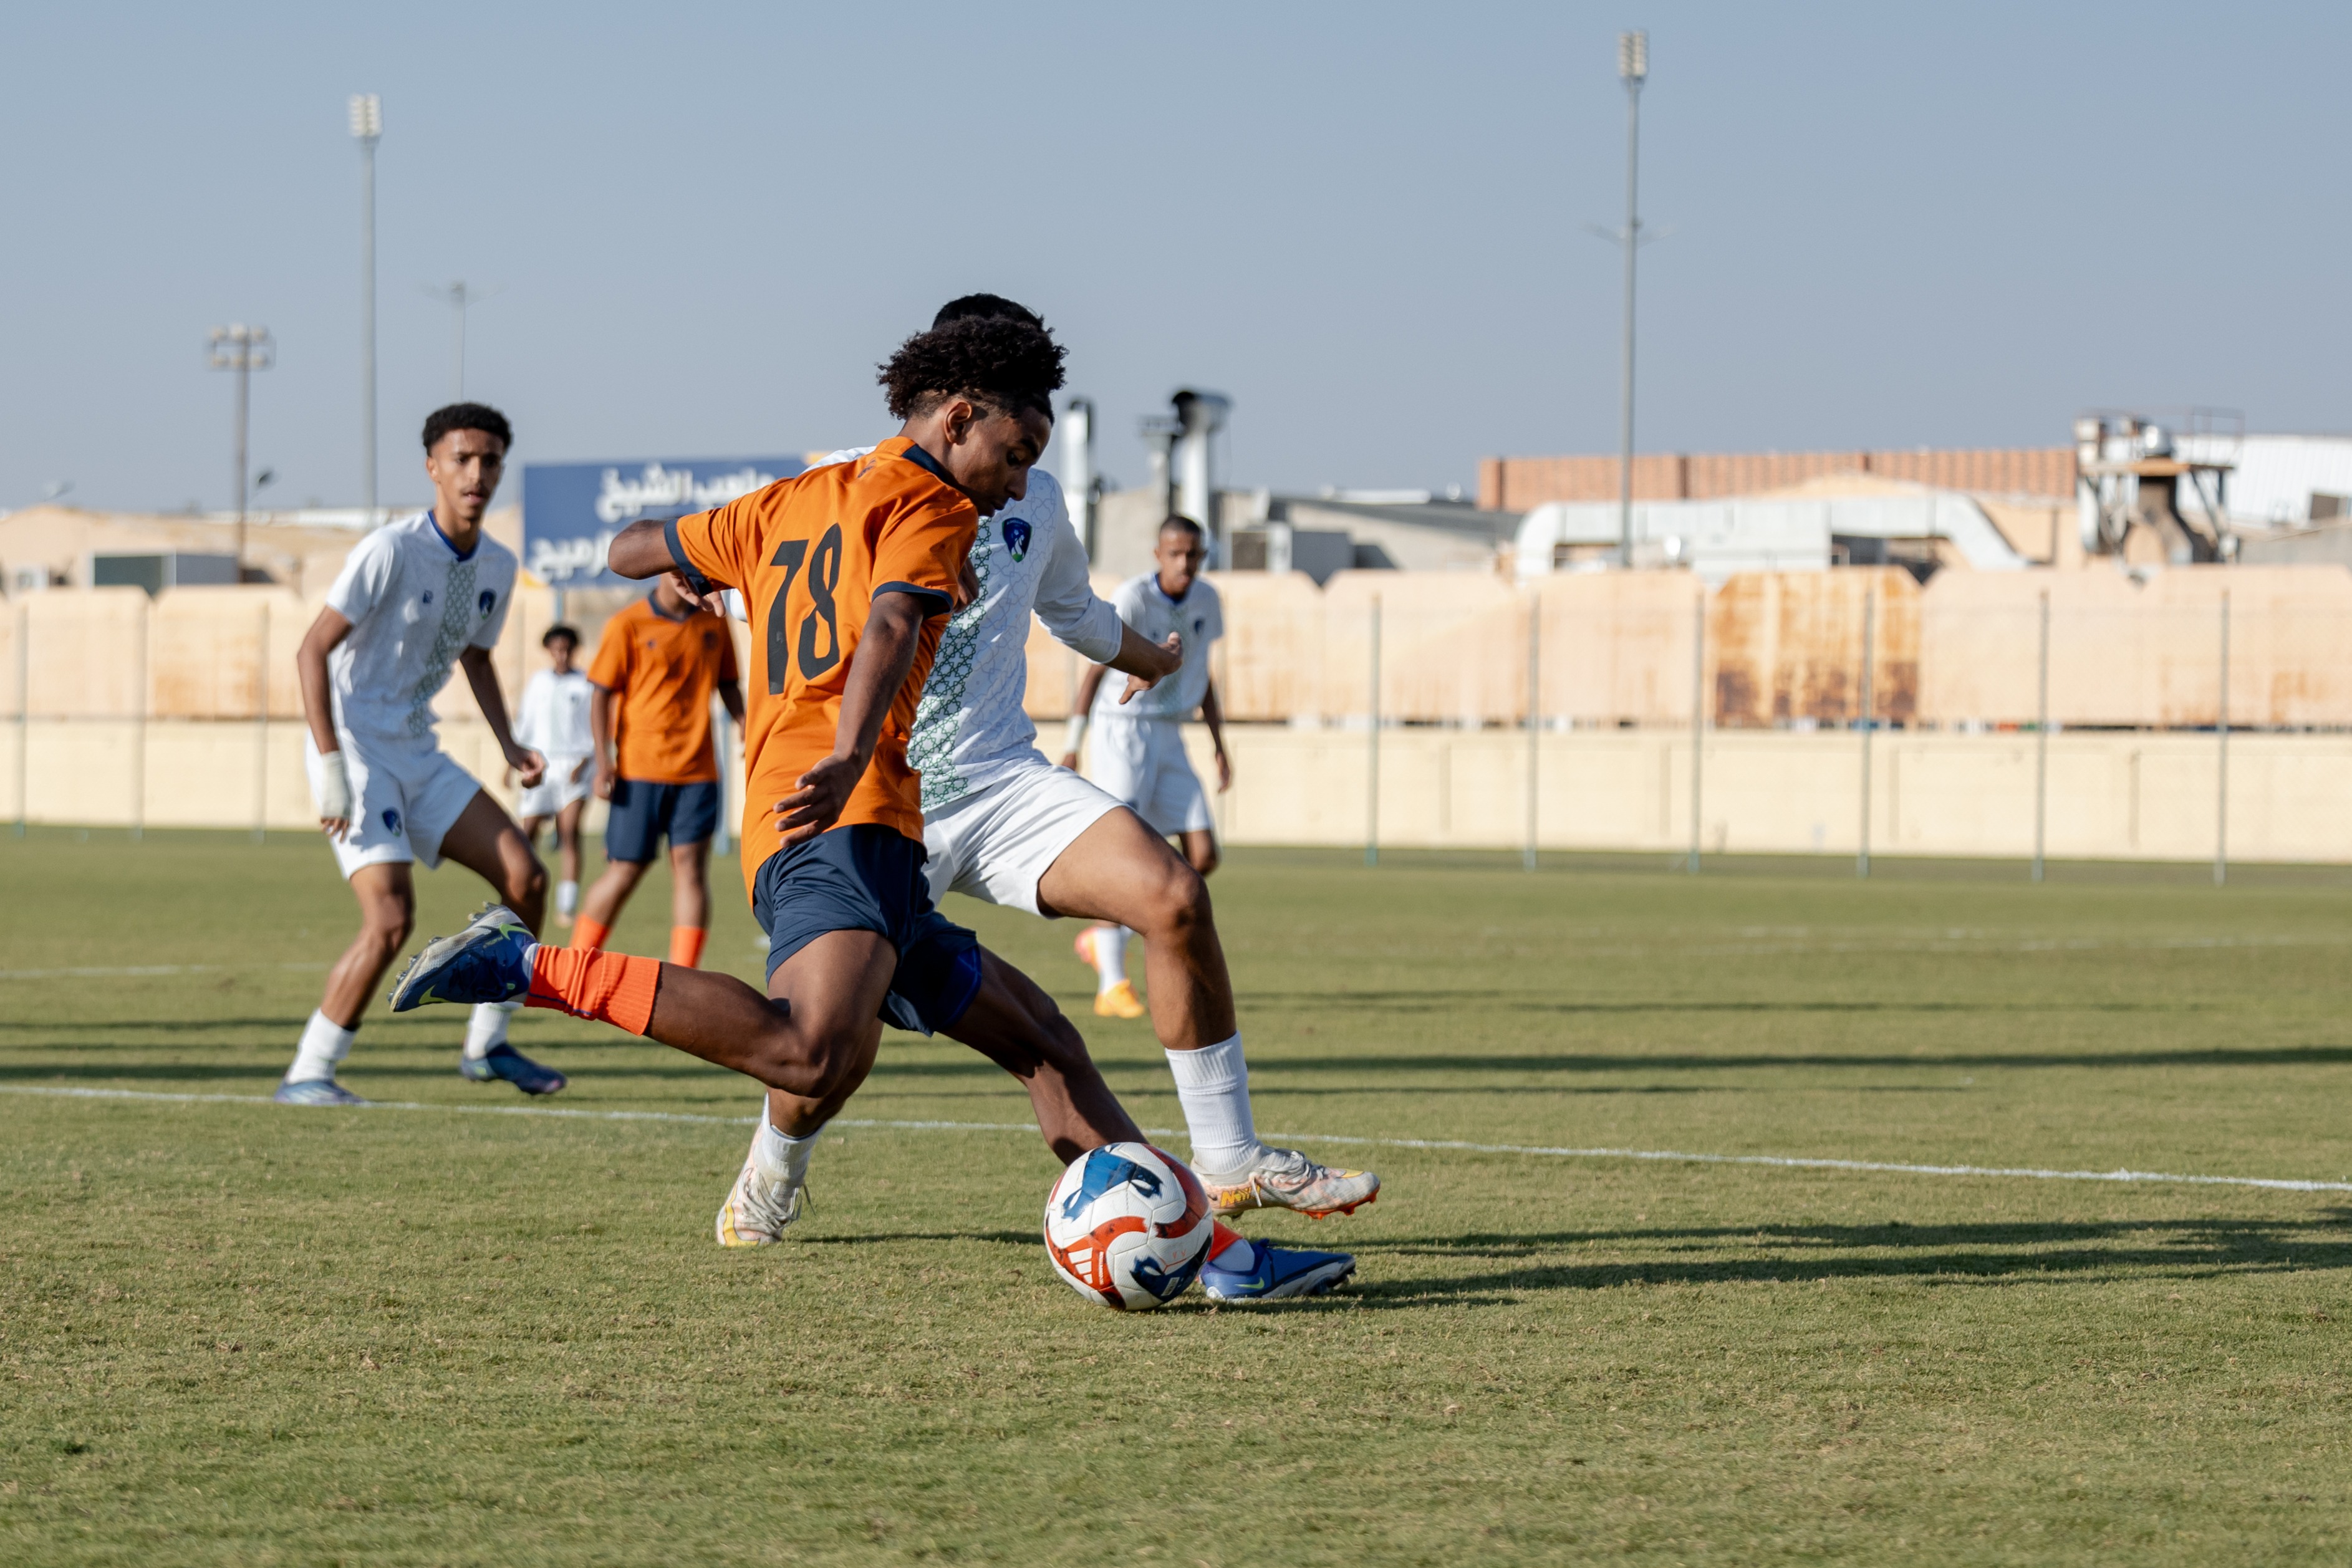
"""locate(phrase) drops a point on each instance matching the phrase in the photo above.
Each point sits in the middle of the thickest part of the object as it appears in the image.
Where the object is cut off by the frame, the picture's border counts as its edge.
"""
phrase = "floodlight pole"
(367, 129)
(1535, 717)
(2041, 744)
(1633, 67)
(243, 350)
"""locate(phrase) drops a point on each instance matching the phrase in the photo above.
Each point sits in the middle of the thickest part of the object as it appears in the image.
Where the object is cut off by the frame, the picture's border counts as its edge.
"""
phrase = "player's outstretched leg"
(485, 841)
(1118, 870)
(815, 1049)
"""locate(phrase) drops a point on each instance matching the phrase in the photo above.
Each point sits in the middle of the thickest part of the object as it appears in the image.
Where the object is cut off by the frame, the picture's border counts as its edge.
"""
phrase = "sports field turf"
(236, 1333)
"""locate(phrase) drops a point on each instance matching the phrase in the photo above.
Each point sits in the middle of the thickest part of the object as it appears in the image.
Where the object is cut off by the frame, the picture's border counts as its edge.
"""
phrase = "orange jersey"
(664, 669)
(809, 555)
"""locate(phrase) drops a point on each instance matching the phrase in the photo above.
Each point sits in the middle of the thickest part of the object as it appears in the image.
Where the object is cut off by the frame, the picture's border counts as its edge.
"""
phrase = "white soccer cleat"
(1285, 1178)
(758, 1208)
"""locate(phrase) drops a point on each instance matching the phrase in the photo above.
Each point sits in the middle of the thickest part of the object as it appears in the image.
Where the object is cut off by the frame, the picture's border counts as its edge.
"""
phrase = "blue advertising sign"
(572, 511)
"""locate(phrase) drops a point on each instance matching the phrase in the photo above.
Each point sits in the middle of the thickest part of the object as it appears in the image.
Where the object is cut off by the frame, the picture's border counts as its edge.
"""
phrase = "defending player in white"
(1005, 825)
(412, 597)
(555, 721)
(1139, 757)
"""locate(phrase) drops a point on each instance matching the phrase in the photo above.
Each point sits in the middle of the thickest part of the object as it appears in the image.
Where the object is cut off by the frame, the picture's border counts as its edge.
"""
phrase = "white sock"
(781, 1157)
(1110, 957)
(486, 1030)
(324, 1043)
(1240, 1253)
(1212, 1086)
(567, 898)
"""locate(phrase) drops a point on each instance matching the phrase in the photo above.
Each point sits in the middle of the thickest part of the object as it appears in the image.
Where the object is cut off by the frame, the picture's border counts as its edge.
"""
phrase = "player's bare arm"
(1213, 714)
(885, 657)
(319, 713)
(1145, 663)
(600, 725)
(482, 676)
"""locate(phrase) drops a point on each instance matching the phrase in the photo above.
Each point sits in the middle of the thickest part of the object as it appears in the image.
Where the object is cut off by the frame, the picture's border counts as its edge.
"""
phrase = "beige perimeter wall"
(2111, 796)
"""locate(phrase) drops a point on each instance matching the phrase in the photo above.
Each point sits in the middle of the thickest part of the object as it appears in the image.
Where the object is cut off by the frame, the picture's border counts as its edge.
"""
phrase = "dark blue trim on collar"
(654, 604)
(926, 461)
(452, 550)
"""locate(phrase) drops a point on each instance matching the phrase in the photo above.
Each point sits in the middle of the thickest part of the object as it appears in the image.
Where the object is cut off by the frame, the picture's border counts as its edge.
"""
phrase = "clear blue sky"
(1367, 223)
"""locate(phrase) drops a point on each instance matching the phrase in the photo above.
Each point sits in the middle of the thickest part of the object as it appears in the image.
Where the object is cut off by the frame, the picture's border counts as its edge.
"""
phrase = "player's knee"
(388, 928)
(1181, 900)
(526, 880)
(814, 1063)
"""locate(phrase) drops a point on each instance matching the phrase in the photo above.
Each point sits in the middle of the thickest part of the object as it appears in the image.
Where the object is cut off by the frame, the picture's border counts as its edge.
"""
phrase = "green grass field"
(232, 1333)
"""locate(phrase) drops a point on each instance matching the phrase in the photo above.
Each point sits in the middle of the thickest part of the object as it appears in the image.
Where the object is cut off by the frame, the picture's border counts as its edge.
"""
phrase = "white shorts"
(1142, 763)
(996, 843)
(556, 787)
(402, 802)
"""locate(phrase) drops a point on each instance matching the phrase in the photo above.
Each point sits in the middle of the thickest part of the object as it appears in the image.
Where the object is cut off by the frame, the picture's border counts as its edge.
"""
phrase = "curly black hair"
(466, 416)
(1002, 363)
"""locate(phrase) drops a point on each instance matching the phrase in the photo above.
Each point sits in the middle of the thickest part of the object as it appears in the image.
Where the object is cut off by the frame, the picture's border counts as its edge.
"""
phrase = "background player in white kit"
(555, 721)
(1139, 744)
(1004, 825)
(412, 597)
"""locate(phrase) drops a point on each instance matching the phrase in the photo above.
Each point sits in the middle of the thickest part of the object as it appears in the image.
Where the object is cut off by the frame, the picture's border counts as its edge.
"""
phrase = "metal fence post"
(24, 714)
(1535, 718)
(2041, 744)
(1372, 786)
(1698, 714)
(139, 733)
(1869, 668)
(2222, 774)
(262, 732)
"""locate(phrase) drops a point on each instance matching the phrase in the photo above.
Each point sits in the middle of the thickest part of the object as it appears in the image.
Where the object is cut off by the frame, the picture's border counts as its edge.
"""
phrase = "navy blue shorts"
(870, 878)
(642, 814)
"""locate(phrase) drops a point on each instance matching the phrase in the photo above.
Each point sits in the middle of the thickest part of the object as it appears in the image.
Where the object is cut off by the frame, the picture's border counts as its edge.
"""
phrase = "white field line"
(1786, 1162)
(1956, 942)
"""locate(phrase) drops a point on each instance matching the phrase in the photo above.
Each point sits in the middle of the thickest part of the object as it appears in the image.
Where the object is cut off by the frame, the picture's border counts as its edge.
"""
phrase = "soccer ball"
(1128, 1226)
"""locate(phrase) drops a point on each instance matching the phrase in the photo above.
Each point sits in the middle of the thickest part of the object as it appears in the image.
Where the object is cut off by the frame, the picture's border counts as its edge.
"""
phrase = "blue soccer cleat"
(504, 1062)
(489, 961)
(315, 1092)
(1277, 1273)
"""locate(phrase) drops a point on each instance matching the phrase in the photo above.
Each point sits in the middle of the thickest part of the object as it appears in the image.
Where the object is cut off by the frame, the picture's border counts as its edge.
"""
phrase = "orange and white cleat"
(1119, 1002)
(1285, 1178)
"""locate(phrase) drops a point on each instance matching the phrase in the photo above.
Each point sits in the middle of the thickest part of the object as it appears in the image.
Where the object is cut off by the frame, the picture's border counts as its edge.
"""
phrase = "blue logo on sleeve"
(391, 820)
(488, 598)
(428, 596)
(1016, 537)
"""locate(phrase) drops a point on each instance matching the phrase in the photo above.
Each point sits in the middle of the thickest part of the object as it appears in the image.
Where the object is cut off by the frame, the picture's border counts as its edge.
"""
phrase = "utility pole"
(1634, 67)
(367, 129)
(243, 349)
(461, 298)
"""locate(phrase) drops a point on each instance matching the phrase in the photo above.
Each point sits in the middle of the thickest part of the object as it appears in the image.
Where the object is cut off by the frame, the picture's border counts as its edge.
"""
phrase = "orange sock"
(588, 935)
(612, 987)
(686, 946)
(1221, 1236)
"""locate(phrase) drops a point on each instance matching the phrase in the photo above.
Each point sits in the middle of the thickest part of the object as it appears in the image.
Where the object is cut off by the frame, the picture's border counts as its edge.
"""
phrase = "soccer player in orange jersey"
(848, 570)
(657, 667)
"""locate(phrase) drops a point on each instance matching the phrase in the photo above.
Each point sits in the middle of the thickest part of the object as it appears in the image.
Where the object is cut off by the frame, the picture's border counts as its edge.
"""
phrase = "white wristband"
(1076, 736)
(330, 788)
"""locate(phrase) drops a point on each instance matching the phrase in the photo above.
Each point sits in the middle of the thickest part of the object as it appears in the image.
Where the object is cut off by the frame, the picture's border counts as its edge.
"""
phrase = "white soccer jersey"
(554, 720)
(1199, 618)
(413, 605)
(972, 727)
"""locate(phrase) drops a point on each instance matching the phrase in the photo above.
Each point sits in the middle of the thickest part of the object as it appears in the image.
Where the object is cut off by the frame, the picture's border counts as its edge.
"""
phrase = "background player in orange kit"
(657, 667)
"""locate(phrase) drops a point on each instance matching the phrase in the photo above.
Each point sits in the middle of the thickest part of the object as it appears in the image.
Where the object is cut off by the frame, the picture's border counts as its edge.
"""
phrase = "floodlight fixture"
(367, 116)
(1633, 56)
